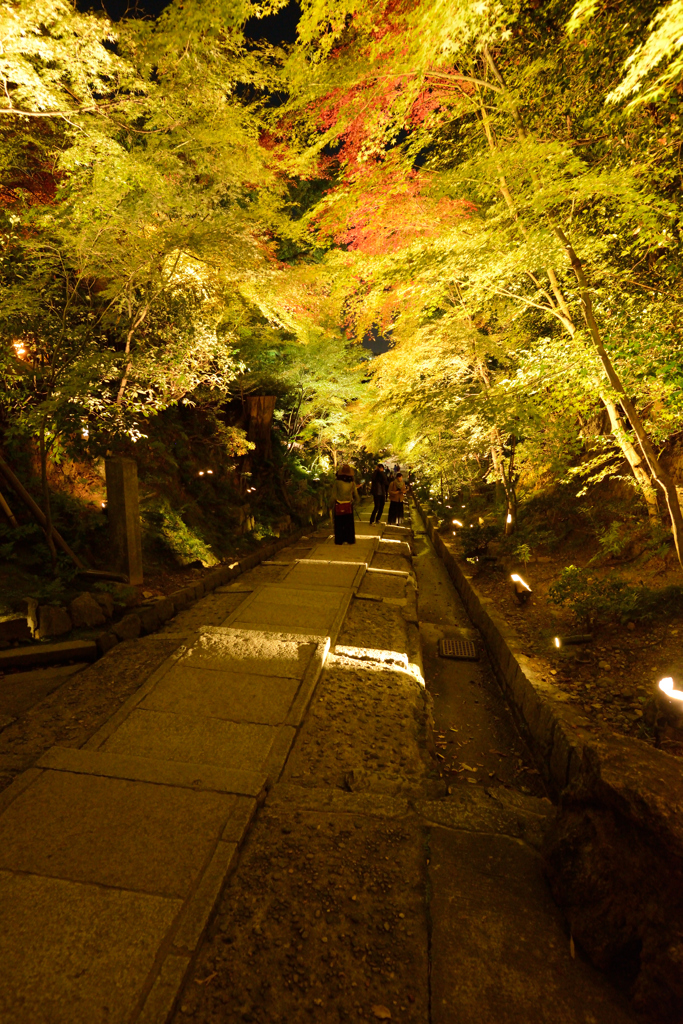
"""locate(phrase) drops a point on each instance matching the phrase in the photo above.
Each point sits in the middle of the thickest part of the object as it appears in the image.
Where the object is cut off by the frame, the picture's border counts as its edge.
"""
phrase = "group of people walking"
(393, 485)
(344, 495)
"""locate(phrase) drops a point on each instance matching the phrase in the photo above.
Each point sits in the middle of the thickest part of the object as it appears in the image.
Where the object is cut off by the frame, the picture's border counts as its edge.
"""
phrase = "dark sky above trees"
(278, 28)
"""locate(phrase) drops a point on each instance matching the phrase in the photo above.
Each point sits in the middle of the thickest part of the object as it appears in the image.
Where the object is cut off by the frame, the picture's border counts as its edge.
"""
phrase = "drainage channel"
(499, 948)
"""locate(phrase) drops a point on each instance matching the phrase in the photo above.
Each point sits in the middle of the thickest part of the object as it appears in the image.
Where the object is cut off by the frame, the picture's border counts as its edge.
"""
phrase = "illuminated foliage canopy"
(491, 187)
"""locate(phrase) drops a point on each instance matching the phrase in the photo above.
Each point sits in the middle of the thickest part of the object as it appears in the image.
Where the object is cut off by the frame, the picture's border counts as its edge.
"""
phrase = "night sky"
(278, 28)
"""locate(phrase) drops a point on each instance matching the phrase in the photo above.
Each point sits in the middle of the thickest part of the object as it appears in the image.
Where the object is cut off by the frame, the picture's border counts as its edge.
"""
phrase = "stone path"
(363, 888)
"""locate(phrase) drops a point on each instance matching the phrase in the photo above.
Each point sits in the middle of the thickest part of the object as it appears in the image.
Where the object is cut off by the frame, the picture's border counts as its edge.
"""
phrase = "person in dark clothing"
(379, 486)
(397, 491)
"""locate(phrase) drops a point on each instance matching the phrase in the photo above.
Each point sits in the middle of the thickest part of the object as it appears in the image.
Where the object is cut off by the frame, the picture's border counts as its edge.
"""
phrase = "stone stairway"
(113, 855)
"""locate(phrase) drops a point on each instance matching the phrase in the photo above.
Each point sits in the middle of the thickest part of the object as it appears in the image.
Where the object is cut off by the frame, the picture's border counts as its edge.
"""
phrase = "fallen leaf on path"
(499, 753)
(381, 1012)
(467, 767)
(205, 981)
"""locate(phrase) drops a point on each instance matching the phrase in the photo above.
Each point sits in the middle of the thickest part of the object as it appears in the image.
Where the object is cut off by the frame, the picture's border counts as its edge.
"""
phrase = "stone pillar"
(124, 517)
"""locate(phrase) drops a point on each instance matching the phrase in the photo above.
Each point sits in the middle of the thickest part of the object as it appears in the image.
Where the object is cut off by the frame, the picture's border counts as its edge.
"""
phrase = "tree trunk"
(260, 410)
(46, 498)
(661, 477)
(634, 460)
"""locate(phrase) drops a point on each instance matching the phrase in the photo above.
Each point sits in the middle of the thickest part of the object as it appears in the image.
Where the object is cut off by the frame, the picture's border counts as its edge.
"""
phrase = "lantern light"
(557, 642)
(456, 522)
(522, 588)
(668, 687)
(509, 518)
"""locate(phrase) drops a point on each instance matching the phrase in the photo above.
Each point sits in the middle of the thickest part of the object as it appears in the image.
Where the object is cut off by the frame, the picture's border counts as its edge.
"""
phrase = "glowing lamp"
(210, 472)
(521, 588)
(201, 472)
(456, 522)
(85, 433)
(668, 687)
(557, 641)
(509, 518)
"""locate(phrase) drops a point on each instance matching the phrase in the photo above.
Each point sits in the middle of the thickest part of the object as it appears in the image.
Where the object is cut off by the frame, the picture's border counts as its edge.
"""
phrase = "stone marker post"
(124, 517)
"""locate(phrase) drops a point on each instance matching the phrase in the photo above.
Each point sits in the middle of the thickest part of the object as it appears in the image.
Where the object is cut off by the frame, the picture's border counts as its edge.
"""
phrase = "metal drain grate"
(463, 650)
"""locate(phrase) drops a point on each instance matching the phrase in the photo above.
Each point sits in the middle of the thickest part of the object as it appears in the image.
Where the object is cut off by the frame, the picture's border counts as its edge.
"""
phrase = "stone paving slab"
(147, 769)
(159, 734)
(360, 552)
(235, 696)
(305, 573)
(260, 653)
(73, 953)
(131, 835)
(281, 607)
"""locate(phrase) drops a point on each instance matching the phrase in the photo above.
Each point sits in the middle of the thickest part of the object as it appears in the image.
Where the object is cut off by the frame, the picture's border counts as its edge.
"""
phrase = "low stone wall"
(614, 856)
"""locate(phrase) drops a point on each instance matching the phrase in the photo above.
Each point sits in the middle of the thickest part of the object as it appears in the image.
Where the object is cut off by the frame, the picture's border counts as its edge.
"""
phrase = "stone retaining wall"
(614, 855)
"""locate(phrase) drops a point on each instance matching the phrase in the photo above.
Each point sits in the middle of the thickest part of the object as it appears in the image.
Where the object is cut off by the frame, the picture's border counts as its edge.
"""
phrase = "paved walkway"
(114, 855)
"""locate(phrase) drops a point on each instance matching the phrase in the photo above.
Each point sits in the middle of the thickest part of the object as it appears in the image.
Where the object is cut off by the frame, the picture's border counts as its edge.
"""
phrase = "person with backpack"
(343, 496)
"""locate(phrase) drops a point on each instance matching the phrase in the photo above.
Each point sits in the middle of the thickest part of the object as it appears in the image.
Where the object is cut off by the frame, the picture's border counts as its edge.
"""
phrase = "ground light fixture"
(456, 522)
(669, 700)
(668, 687)
(522, 590)
(577, 638)
(509, 518)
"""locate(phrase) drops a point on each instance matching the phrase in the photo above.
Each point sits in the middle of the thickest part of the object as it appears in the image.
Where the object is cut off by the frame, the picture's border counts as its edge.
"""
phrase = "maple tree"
(493, 188)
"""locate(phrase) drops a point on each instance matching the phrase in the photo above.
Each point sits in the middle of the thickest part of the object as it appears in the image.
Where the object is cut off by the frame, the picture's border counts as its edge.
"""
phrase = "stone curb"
(149, 618)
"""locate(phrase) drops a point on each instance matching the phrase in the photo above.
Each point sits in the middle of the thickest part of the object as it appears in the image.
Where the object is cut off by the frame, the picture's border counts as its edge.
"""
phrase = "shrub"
(595, 599)
(475, 539)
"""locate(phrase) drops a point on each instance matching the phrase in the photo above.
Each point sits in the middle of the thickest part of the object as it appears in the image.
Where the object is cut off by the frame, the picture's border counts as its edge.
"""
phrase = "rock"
(14, 627)
(613, 857)
(150, 619)
(106, 603)
(630, 625)
(53, 620)
(86, 612)
(106, 641)
(128, 628)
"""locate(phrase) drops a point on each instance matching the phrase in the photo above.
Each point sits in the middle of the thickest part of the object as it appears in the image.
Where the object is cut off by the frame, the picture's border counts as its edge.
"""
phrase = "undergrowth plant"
(599, 599)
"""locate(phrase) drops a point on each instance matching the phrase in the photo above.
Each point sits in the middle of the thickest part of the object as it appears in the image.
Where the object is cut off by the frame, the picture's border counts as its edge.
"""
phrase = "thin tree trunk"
(46, 497)
(661, 477)
(8, 511)
(634, 460)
